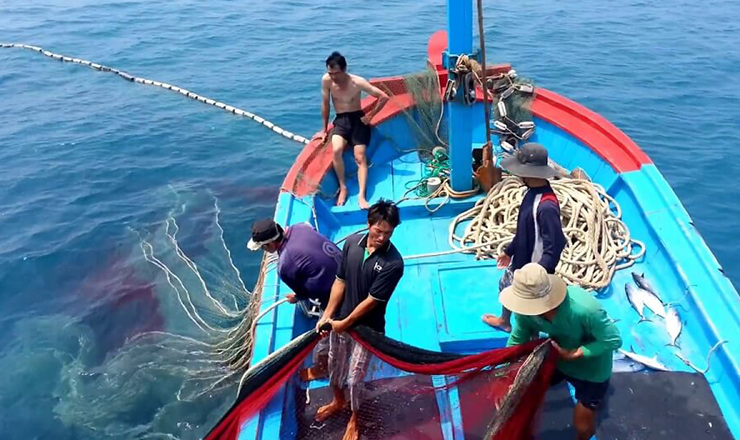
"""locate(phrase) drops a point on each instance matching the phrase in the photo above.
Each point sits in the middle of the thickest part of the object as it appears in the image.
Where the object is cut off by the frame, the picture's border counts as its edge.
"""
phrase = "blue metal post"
(460, 41)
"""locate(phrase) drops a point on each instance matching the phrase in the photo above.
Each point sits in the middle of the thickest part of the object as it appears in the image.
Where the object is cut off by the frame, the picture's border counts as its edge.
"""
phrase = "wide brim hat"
(531, 160)
(533, 291)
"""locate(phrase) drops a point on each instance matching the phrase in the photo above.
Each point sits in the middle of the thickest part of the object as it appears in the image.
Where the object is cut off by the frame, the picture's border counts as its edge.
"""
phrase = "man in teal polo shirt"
(582, 333)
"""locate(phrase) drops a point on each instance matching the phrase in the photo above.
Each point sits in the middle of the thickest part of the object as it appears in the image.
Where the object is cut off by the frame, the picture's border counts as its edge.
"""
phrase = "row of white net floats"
(180, 90)
(510, 132)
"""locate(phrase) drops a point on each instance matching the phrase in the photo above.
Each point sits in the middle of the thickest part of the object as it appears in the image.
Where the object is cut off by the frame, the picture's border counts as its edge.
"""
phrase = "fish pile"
(643, 296)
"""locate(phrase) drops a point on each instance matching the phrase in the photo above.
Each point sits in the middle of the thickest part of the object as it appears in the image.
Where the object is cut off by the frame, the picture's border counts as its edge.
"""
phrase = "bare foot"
(342, 197)
(363, 203)
(353, 430)
(329, 410)
(313, 373)
(495, 321)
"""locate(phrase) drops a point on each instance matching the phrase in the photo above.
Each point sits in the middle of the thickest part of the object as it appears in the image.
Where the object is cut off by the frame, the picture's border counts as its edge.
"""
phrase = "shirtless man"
(351, 125)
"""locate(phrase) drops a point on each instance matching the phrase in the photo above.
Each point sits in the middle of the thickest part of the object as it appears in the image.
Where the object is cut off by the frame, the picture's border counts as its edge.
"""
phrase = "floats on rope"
(149, 82)
(507, 87)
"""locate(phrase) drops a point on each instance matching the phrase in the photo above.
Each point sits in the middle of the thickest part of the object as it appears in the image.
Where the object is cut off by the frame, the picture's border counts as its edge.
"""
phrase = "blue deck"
(439, 301)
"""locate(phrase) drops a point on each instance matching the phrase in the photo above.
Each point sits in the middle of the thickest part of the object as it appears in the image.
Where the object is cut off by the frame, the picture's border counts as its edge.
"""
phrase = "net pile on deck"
(597, 241)
(409, 392)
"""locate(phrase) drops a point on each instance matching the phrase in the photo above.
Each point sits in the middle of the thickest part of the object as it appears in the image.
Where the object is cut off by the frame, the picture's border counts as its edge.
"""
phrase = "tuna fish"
(626, 366)
(652, 300)
(650, 362)
(655, 304)
(636, 297)
(673, 325)
(642, 283)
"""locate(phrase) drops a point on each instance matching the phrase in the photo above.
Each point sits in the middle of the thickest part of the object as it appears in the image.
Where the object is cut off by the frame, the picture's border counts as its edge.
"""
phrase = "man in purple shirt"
(307, 263)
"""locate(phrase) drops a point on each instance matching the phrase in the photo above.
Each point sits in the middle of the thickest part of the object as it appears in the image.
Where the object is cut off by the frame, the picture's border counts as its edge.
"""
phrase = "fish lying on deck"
(673, 325)
(636, 297)
(640, 298)
(642, 283)
(650, 362)
(654, 303)
(626, 365)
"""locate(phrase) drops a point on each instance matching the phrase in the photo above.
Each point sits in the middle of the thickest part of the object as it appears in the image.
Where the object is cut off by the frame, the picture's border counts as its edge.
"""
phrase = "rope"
(265, 312)
(597, 241)
(709, 358)
(192, 95)
(438, 167)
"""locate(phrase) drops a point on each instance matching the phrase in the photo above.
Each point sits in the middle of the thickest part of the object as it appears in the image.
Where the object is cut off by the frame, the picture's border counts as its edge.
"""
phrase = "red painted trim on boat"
(228, 428)
(316, 158)
(606, 140)
(436, 45)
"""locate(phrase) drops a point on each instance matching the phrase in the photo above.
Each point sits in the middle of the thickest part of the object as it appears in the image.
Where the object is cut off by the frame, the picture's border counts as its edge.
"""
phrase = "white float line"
(192, 95)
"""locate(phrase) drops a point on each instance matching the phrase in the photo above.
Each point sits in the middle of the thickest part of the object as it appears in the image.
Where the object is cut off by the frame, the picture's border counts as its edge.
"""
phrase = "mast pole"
(460, 115)
(487, 175)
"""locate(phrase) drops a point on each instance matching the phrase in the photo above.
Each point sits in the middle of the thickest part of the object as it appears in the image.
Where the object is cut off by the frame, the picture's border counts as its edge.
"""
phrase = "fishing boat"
(438, 303)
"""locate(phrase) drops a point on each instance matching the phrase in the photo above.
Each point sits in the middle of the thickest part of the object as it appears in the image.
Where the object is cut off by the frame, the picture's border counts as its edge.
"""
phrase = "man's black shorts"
(589, 394)
(351, 128)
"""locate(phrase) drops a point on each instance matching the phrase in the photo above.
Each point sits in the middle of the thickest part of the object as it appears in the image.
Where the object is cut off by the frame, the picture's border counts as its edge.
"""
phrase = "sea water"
(99, 177)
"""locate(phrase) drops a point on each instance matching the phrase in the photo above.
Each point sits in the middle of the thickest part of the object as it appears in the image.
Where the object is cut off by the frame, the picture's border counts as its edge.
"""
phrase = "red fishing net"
(407, 393)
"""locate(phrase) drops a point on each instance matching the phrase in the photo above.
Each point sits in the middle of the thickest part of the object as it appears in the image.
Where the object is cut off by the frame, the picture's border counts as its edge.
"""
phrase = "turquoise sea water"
(92, 166)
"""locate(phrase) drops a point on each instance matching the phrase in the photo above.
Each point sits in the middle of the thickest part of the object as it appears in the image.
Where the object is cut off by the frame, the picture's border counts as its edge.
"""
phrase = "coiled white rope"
(149, 82)
(597, 241)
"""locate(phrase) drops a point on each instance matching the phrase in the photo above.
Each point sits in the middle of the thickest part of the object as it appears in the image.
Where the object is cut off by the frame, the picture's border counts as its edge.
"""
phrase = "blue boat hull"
(439, 301)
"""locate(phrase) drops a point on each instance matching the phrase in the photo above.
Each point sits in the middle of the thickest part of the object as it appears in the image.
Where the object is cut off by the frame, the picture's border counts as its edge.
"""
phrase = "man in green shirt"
(582, 333)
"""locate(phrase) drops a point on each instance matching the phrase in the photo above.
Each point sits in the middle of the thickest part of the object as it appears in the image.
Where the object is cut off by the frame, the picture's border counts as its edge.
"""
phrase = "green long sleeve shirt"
(579, 322)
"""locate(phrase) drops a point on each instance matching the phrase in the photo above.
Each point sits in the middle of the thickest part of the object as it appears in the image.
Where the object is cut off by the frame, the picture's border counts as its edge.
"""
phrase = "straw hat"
(533, 291)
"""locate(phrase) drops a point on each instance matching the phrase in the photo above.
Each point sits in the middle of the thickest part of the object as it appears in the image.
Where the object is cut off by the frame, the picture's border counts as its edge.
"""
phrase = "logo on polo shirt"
(377, 267)
(332, 251)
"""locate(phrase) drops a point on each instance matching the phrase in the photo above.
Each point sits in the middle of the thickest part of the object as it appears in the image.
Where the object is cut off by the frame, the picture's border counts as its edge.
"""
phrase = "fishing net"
(425, 117)
(407, 393)
(518, 103)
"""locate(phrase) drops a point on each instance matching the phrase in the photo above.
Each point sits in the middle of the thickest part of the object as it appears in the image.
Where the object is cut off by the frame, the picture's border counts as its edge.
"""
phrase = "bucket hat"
(533, 291)
(530, 160)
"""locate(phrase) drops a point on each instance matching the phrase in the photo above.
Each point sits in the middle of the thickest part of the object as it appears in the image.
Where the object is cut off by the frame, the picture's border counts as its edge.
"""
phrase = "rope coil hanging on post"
(597, 241)
(192, 95)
